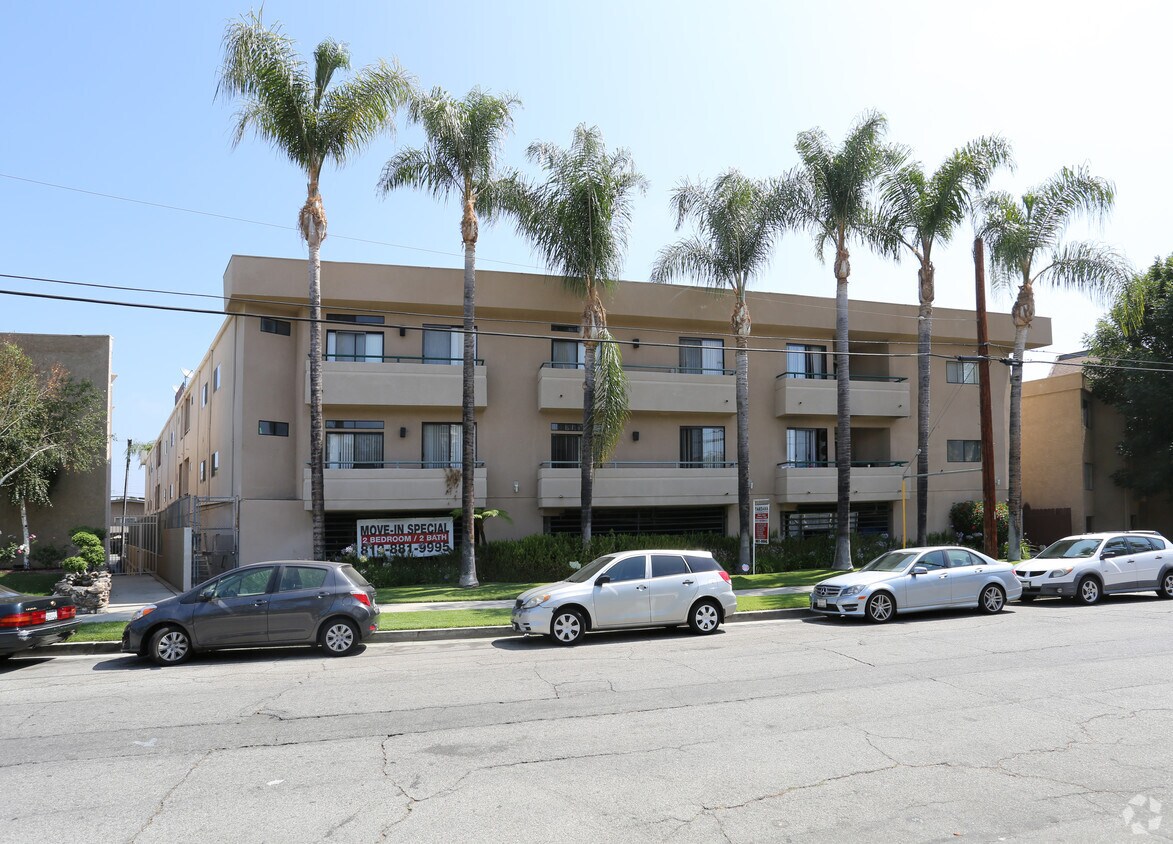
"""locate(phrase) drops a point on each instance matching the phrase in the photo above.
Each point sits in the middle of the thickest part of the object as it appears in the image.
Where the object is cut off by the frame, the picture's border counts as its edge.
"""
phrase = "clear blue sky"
(117, 98)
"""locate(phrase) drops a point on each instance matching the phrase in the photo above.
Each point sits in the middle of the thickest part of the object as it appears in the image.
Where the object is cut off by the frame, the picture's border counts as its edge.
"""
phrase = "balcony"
(396, 486)
(639, 484)
(398, 381)
(651, 389)
(804, 394)
(817, 482)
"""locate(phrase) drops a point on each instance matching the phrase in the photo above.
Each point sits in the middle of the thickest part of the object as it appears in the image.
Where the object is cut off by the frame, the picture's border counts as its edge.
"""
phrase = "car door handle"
(259, 603)
(323, 594)
(688, 583)
(641, 588)
(942, 576)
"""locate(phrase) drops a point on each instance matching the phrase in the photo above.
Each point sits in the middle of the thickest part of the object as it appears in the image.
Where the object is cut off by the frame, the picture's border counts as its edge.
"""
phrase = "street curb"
(436, 634)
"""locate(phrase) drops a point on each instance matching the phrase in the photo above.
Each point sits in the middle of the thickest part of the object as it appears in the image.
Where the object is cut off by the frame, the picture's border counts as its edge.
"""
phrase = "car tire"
(1165, 590)
(169, 646)
(567, 627)
(992, 599)
(1088, 591)
(339, 637)
(880, 608)
(704, 618)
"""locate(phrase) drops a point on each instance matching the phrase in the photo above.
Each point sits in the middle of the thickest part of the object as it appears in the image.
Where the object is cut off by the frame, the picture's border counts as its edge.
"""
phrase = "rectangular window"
(702, 356)
(1085, 409)
(358, 319)
(567, 354)
(276, 326)
(565, 444)
(187, 414)
(1088, 476)
(158, 454)
(701, 446)
(806, 361)
(352, 346)
(203, 470)
(444, 344)
(963, 451)
(204, 396)
(806, 447)
(354, 444)
(215, 463)
(442, 445)
(961, 372)
(216, 378)
(272, 429)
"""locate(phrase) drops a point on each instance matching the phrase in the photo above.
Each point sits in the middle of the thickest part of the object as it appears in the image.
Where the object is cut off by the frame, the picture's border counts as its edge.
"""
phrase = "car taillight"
(66, 612)
(20, 619)
(362, 597)
(724, 575)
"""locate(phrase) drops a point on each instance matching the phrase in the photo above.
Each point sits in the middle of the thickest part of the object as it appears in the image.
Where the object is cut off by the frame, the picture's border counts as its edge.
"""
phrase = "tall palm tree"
(310, 123)
(464, 142)
(1021, 231)
(832, 196)
(923, 211)
(737, 220)
(578, 220)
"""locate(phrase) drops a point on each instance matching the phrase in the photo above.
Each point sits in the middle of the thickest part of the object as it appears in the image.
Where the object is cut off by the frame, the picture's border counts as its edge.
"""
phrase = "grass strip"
(431, 619)
(753, 603)
(803, 577)
(436, 593)
(99, 631)
(30, 582)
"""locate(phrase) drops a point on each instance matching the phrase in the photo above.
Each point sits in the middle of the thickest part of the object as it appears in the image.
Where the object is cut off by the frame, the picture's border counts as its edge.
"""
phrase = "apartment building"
(392, 392)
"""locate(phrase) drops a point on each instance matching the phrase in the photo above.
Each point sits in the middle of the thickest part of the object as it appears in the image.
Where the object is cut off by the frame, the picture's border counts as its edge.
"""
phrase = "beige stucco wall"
(79, 498)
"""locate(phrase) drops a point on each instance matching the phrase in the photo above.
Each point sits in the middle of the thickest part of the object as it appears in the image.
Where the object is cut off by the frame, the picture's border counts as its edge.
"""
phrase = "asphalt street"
(1049, 722)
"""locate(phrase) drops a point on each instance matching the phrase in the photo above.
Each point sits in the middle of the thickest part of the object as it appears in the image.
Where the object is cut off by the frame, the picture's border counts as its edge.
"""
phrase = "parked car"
(630, 589)
(29, 621)
(1090, 565)
(917, 579)
(289, 602)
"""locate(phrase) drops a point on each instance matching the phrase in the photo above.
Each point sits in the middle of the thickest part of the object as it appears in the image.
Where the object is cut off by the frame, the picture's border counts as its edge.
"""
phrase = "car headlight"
(147, 610)
(536, 600)
(851, 590)
(1063, 572)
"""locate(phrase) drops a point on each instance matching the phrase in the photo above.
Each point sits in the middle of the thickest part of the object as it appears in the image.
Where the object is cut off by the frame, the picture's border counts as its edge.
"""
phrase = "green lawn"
(427, 594)
(805, 577)
(752, 603)
(99, 631)
(30, 582)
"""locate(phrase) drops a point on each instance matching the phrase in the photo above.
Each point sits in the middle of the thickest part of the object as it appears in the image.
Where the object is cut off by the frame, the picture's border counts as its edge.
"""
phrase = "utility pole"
(989, 500)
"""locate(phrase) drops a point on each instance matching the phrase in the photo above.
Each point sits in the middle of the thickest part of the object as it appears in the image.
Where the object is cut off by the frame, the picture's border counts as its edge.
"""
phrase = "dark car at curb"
(271, 604)
(29, 621)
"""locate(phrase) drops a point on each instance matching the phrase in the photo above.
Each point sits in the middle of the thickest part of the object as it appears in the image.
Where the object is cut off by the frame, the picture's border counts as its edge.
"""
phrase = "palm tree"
(925, 210)
(737, 220)
(464, 142)
(1023, 230)
(831, 195)
(578, 221)
(310, 123)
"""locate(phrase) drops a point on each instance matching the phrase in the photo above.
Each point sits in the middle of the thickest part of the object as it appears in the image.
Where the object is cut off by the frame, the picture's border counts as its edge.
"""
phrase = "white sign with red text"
(423, 537)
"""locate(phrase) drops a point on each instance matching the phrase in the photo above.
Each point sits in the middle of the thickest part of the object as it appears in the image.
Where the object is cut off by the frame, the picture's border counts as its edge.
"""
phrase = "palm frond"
(1072, 193)
(611, 404)
(353, 113)
(1090, 268)
(418, 168)
(329, 57)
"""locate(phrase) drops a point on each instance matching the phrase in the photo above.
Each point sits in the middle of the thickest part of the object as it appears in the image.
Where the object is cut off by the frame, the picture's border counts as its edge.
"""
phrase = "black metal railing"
(831, 464)
(645, 464)
(830, 376)
(397, 464)
(398, 359)
(677, 370)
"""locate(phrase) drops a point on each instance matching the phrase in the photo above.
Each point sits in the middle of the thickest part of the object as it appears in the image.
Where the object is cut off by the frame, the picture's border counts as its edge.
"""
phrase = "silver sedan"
(917, 579)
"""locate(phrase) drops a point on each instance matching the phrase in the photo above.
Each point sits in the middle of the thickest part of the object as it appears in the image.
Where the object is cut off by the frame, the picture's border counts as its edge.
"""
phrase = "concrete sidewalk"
(128, 593)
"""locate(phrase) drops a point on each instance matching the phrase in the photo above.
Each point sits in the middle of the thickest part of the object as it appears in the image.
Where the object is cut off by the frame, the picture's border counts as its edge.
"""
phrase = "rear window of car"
(1139, 544)
(301, 577)
(699, 564)
(665, 565)
(352, 574)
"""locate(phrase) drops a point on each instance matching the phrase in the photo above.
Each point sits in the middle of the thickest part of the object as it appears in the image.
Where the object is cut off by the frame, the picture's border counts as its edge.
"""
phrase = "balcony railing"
(643, 464)
(830, 376)
(816, 481)
(398, 359)
(643, 367)
(398, 464)
(814, 394)
(653, 389)
(639, 483)
(396, 381)
(855, 464)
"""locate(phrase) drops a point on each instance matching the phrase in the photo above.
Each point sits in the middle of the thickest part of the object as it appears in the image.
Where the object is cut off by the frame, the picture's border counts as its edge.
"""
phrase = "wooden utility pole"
(989, 499)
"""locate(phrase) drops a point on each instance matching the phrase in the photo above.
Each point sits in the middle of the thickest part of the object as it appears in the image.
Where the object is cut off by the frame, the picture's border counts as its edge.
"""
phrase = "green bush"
(96, 531)
(941, 537)
(47, 556)
(966, 517)
(74, 565)
(89, 549)
(7, 553)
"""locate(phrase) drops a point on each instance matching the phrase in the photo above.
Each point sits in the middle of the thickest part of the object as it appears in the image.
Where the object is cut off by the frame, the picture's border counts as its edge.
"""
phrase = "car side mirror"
(207, 594)
(602, 579)
(919, 570)
(1108, 555)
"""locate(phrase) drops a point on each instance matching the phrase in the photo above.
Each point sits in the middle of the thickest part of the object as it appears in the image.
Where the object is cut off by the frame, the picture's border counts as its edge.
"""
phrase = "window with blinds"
(442, 445)
(354, 444)
(702, 356)
(701, 447)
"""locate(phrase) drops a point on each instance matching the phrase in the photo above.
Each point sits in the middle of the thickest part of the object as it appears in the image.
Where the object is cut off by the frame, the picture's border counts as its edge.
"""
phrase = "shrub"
(74, 565)
(96, 531)
(89, 549)
(47, 556)
(7, 552)
(966, 517)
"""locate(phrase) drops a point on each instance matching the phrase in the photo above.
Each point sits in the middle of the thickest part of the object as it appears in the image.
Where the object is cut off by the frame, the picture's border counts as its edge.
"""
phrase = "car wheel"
(1088, 591)
(880, 608)
(339, 637)
(1166, 590)
(567, 627)
(992, 599)
(704, 618)
(169, 646)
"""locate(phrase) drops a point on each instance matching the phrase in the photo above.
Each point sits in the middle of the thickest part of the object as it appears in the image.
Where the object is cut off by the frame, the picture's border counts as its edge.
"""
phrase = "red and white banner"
(424, 537)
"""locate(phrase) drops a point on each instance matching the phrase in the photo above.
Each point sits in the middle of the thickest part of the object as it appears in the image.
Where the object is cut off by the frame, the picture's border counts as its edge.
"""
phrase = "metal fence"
(136, 539)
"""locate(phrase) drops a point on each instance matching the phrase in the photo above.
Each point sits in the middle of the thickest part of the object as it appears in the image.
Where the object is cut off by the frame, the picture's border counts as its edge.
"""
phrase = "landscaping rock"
(90, 591)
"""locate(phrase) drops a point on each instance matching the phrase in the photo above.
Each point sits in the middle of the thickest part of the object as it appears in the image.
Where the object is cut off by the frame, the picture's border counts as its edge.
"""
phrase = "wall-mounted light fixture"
(516, 486)
(402, 331)
(635, 436)
(635, 343)
(402, 433)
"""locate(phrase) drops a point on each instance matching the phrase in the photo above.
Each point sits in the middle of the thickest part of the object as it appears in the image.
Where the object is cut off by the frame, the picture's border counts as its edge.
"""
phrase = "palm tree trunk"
(313, 228)
(1021, 312)
(741, 329)
(468, 565)
(586, 453)
(924, 348)
(843, 396)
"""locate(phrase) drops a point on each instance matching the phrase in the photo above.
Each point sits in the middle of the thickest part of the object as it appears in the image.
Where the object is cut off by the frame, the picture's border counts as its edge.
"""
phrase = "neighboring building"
(1069, 455)
(80, 499)
(392, 384)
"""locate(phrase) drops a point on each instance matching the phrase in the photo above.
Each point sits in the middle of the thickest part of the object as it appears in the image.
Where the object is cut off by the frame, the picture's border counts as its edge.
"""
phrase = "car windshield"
(589, 571)
(892, 561)
(1069, 549)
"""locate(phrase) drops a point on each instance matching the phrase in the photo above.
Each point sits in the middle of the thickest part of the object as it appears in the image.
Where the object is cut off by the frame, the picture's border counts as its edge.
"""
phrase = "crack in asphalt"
(158, 810)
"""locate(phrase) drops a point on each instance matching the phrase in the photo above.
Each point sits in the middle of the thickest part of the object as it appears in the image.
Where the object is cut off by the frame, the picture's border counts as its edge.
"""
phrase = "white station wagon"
(630, 589)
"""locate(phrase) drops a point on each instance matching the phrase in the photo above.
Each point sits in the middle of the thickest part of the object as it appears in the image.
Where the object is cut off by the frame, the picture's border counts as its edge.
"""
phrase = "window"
(567, 354)
(700, 356)
(963, 451)
(1139, 545)
(933, 560)
(203, 470)
(702, 446)
(806, 361)
(272, 429)
(216, 378)
(961, 372)
(187, 414)
(442, 445)
(959, 559)
(361, 346)
(633, 568)
(444, 344)
(243, 584)
(301, 577)
(275, 326)
(565, 443)
(215, 463)
(158, 454)
(204, 396)
(666, 565)
(354, 444)
(565, 329)
(806, 447)
(359, 319)
(1089, 476)
(1085, 409)
(702, 563)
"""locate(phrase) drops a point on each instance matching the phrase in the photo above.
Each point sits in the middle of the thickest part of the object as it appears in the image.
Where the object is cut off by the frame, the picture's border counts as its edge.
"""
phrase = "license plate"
(50, 615)
(821, 603)
(1024, 582)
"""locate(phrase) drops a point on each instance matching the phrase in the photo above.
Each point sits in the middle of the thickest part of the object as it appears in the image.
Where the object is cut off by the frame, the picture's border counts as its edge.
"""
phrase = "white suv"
(1090, 565)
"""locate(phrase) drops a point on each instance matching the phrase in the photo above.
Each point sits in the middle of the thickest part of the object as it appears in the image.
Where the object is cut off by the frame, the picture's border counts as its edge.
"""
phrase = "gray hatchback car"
(289, 602)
